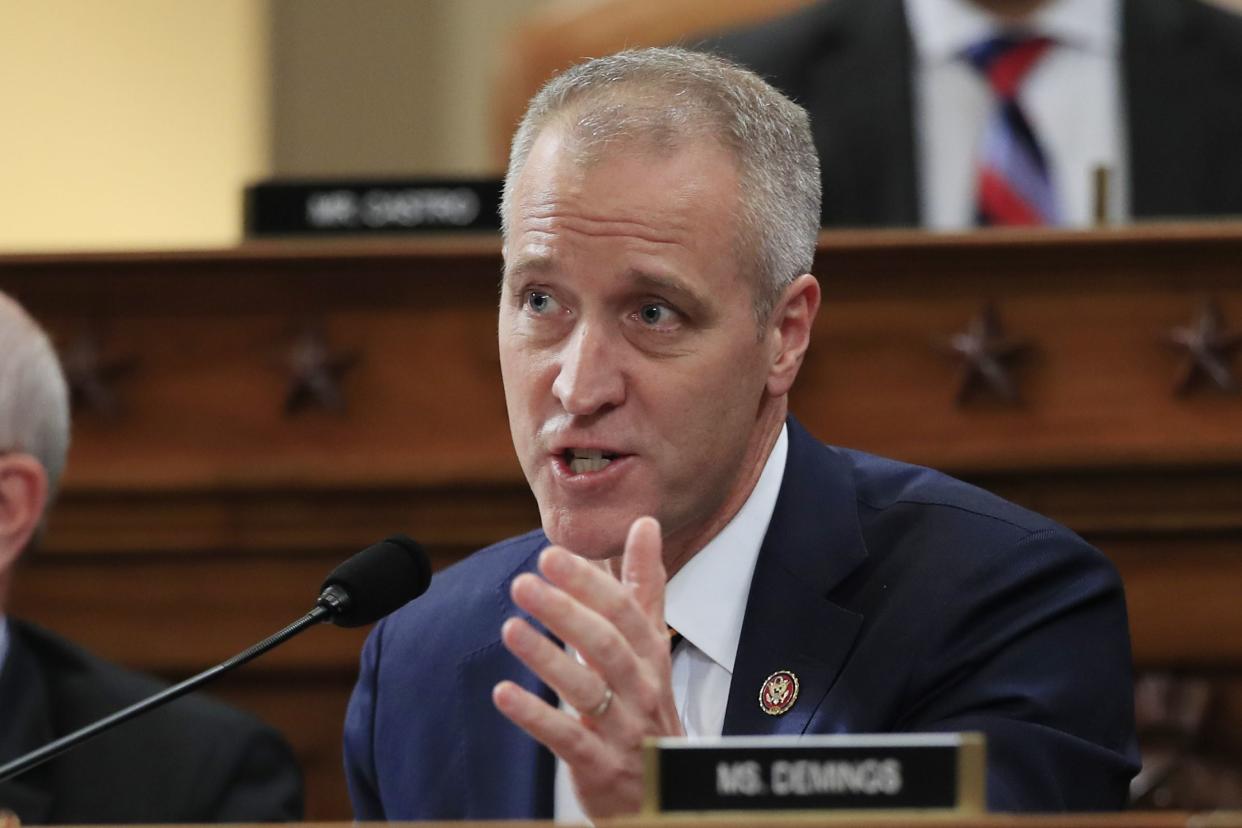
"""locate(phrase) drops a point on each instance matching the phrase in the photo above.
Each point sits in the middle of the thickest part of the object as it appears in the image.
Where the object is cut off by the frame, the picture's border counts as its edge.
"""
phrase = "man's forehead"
(575, 148)
(658, 194)
(668, 190)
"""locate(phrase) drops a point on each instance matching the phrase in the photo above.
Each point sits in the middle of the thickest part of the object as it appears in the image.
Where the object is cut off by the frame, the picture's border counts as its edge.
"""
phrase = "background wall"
(136, 123)
(130, 123)
(385, 86)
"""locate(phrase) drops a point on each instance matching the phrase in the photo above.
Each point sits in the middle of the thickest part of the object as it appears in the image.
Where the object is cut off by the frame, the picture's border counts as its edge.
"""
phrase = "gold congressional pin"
(779, 692)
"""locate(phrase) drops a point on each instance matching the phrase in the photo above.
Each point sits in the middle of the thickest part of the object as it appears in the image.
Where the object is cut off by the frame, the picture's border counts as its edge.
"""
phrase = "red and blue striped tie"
(1014, 187)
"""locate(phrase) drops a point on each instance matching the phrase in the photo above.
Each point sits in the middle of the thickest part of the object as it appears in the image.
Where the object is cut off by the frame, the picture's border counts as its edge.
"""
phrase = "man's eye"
(539, 302)
(656, 314)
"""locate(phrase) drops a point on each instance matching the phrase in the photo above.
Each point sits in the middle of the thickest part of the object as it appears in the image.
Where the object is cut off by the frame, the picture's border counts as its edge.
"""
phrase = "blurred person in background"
(194, 760)
(951, 114)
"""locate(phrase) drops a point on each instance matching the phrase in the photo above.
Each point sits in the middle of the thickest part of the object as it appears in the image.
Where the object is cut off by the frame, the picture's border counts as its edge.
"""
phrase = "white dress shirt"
(1073, 99)
(703, 661)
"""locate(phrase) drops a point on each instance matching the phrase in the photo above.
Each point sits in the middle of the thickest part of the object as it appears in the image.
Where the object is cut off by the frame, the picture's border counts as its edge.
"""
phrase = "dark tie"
(1014, 183)
(674, 638)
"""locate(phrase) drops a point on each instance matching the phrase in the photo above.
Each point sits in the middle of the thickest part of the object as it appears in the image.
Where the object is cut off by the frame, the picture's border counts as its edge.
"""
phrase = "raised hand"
(621, 687)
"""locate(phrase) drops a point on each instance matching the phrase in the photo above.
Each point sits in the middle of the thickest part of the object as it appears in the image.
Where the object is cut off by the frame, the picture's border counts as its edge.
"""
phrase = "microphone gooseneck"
(363, 589)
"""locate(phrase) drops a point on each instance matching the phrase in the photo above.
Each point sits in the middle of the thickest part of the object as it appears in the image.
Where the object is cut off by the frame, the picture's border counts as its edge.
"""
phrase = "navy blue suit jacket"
(903, 600)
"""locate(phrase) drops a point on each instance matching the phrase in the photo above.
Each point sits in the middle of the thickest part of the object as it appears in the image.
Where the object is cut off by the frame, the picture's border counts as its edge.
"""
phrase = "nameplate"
(941, 773)
(330, 208)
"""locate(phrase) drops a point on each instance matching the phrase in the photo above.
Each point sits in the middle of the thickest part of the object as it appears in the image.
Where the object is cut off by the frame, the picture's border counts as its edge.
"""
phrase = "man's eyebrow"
(530, 265)
(657, 282)
(670, 286)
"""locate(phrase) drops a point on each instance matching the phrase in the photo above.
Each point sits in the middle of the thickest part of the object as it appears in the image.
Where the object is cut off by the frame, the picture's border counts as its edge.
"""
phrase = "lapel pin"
(779, 692)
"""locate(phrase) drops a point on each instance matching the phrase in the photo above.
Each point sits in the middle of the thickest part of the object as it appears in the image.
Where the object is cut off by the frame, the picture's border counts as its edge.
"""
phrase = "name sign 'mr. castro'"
(880, 772)
(327, 207)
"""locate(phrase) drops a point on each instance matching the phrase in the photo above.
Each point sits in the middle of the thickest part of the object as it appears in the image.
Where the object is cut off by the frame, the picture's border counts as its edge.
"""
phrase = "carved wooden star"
(90, 375)
(986, 353)
(316, 372)
(1209, 350)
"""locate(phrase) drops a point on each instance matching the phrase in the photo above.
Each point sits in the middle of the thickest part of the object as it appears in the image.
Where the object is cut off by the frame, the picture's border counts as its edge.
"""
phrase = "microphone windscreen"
(380, 579)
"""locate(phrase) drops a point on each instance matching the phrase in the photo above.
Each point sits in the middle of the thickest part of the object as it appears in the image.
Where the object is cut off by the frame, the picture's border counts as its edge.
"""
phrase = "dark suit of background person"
(849, 62)
(193, 760)
(904, 601)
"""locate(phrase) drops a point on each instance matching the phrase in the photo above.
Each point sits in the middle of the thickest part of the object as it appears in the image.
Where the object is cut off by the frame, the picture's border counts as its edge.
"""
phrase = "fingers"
(563, 734)
(607, 777)
(597, 640)
(596, 588)
(571, 681)
(617, 628)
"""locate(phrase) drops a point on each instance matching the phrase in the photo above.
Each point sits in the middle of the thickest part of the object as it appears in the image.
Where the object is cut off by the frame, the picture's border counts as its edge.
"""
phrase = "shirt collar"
(943, 29)
(723, 569)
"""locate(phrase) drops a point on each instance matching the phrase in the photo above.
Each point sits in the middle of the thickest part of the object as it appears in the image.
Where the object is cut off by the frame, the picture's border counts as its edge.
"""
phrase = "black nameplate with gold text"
(862, 772)
(335, 207)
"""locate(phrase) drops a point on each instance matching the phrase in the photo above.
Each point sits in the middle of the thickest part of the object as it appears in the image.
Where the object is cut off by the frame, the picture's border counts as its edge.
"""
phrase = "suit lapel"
(25, 724)
(869, 167)
(813, 542)
(1164, 77)
(514, 770)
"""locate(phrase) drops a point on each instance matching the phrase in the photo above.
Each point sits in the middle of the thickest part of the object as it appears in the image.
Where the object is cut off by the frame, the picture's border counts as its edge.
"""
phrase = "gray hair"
(662, 98)
(34, 400)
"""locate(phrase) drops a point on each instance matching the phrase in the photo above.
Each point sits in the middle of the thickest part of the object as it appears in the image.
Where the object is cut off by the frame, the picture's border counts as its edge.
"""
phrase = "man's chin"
(596, 540)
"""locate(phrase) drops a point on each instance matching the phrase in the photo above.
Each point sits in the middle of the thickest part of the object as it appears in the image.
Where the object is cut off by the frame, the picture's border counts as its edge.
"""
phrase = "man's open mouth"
(581, 461)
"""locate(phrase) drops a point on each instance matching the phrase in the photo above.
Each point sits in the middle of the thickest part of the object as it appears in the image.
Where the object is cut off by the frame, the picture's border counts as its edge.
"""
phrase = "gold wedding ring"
(604, 703)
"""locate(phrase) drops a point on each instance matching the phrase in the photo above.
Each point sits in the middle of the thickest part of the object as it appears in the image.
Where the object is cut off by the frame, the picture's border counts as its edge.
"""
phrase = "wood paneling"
(202, 518)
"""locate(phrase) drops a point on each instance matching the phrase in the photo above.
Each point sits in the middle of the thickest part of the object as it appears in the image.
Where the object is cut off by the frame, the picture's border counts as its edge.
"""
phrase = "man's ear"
(23, 494)
(790, 330)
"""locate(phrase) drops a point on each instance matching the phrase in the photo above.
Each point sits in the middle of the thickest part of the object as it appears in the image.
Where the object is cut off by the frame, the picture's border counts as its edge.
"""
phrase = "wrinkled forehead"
(687, 192)
(566, 153)
(635, 180)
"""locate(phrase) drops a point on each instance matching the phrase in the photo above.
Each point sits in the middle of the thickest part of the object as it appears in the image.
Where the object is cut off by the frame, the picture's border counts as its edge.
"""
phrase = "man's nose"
(590, 379)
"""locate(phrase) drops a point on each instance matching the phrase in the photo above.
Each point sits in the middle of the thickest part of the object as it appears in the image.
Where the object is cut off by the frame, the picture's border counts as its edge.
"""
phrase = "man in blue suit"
(660, 219)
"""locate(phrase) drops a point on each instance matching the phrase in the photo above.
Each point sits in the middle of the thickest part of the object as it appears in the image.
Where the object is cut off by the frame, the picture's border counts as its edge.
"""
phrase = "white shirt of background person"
(1073, 99)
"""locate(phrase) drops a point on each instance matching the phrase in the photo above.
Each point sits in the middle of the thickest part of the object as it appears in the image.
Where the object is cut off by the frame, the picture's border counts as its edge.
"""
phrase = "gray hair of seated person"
(34, 399)
(665, 99)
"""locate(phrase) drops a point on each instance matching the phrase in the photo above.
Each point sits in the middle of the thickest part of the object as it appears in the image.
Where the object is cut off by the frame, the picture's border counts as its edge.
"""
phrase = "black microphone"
(376, 581)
